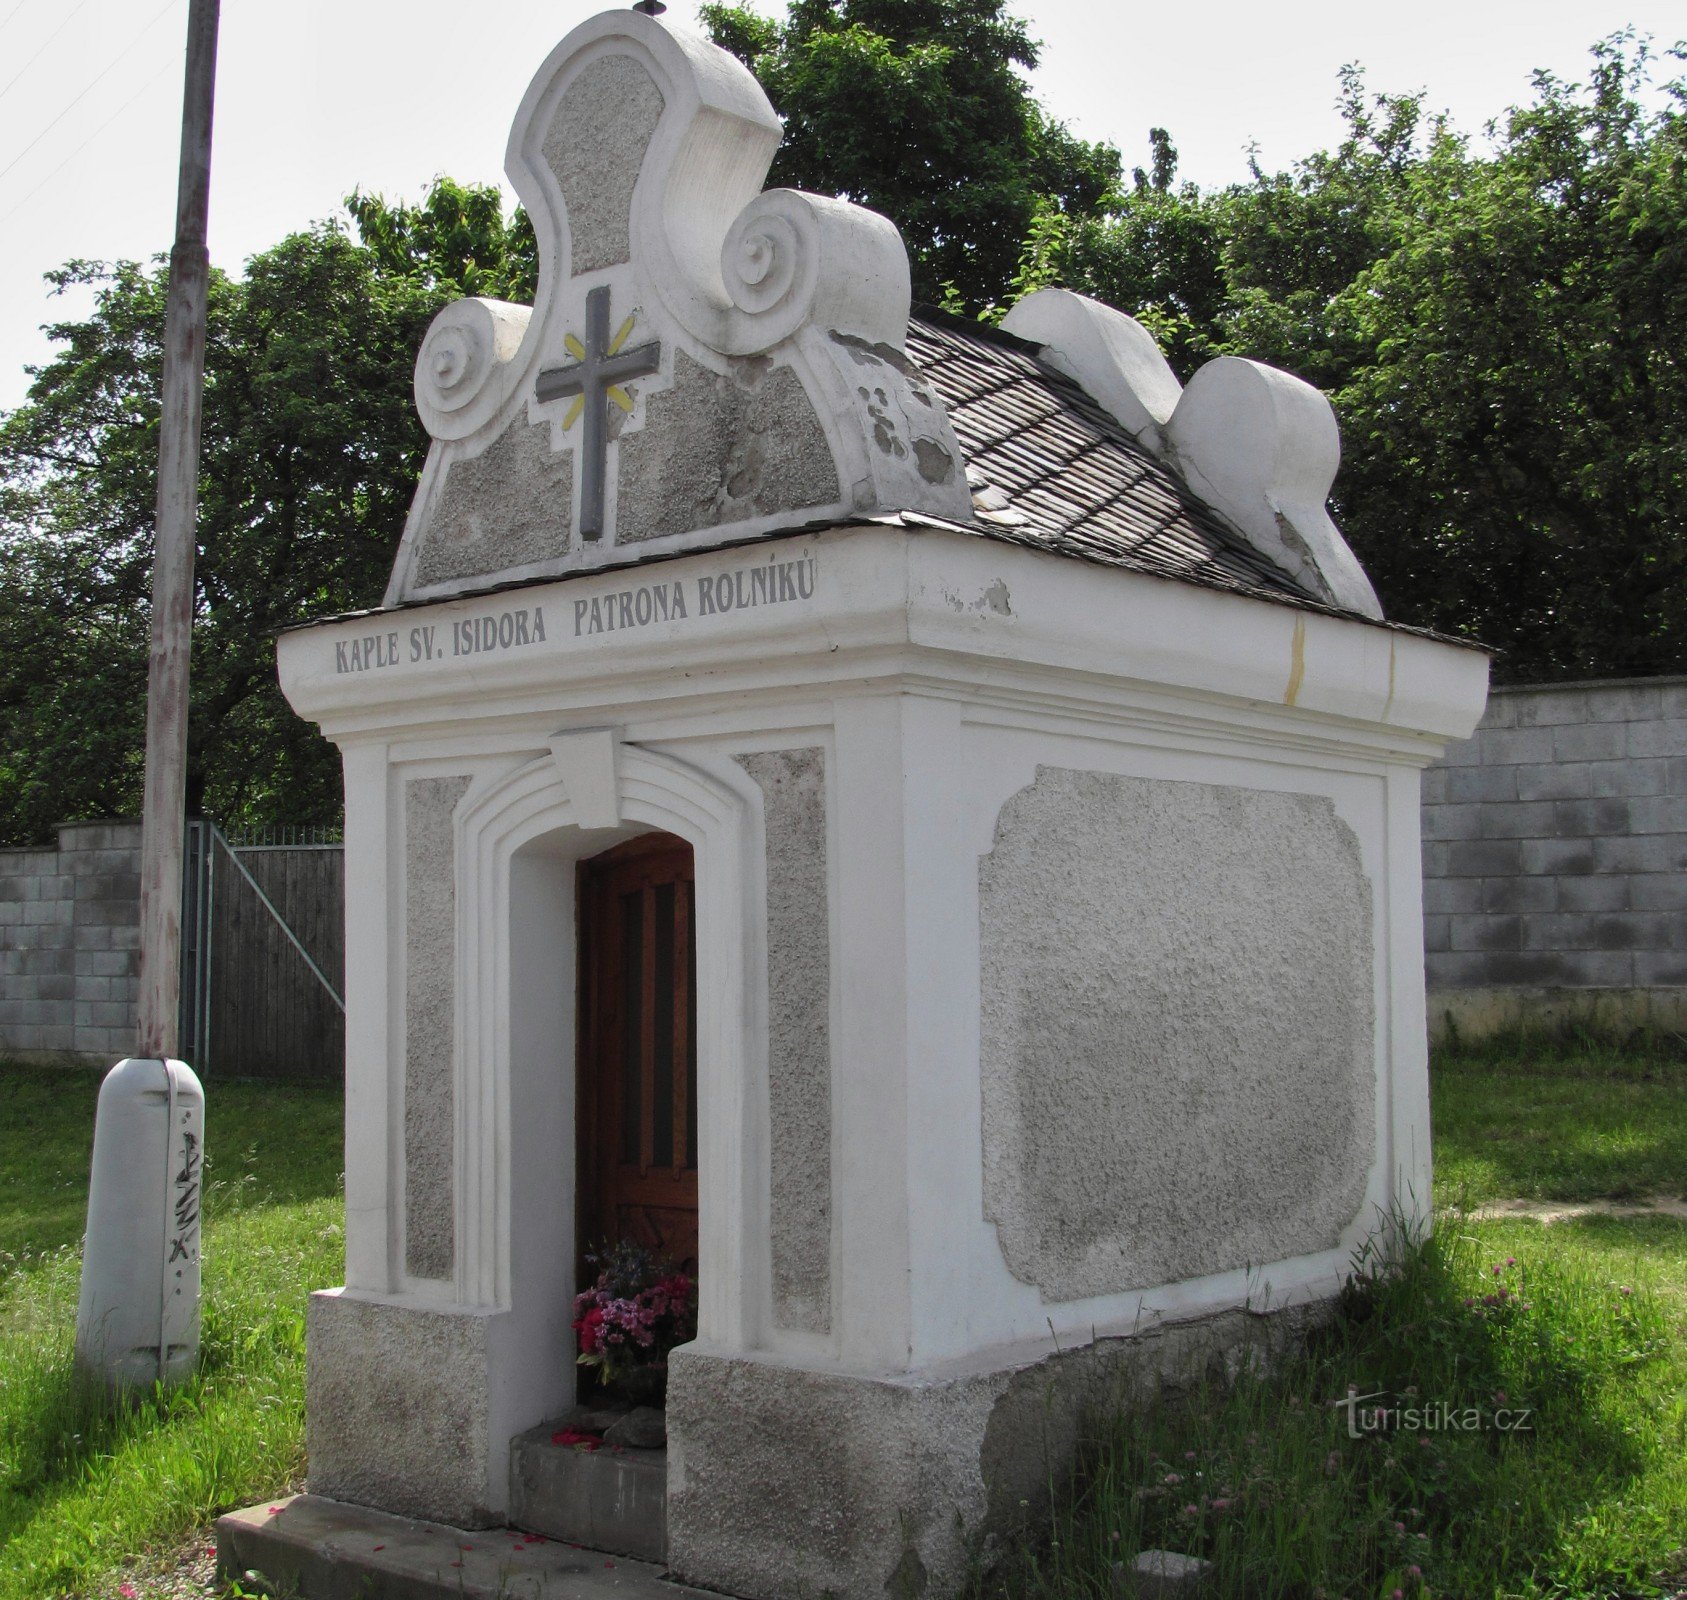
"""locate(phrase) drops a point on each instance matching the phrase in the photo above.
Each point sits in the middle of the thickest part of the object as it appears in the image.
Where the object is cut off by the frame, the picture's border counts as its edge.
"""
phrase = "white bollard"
(138, 1320)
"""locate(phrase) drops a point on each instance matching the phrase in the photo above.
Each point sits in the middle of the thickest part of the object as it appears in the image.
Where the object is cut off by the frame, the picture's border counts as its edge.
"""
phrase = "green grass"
(86, 1487)
(1590, 1503)
(1258, 1473)
(1524, 1119)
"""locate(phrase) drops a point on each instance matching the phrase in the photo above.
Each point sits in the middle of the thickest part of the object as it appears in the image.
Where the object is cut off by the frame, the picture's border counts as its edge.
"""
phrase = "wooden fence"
(268, 1013)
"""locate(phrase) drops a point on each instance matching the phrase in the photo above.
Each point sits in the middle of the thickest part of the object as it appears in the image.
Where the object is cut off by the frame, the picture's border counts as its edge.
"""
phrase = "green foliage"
(916, 108)
(311, 451)
(1500, 334)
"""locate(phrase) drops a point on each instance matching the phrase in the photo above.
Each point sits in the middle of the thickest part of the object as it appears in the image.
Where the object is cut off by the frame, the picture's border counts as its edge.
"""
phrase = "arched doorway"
(637, 1102)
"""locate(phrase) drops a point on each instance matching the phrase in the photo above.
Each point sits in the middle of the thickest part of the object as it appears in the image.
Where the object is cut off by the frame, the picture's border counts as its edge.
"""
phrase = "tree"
(915, 109)
(1500, 334)
(311, 453)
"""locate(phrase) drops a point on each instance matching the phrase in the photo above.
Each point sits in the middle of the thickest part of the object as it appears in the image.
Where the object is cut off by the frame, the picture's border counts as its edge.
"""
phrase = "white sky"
(317, 97)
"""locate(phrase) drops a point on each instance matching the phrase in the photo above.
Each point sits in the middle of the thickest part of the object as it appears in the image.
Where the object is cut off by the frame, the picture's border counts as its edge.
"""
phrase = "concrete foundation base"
(615, 1500)
(787, 1483)
(1472, 1014)
(316, 1549)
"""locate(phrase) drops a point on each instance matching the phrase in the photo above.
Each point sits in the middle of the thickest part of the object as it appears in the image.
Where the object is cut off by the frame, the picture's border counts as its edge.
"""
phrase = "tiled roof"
(1048, 467)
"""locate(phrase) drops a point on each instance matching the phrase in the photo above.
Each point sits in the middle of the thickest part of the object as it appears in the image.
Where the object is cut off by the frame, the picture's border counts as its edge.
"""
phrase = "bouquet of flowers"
(633, 1315)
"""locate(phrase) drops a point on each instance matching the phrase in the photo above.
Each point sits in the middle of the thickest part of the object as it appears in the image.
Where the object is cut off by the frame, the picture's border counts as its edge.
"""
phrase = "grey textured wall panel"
(1238, 929)
(430, 937)
(799, 989)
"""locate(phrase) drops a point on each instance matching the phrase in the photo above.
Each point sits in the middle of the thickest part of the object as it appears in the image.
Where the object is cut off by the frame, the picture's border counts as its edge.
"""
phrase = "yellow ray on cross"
(573, 414)
(621, 337)
(575, 348)
(621, 398)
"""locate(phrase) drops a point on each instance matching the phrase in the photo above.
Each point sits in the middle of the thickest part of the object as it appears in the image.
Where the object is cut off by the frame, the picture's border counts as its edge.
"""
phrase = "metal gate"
(263, 953)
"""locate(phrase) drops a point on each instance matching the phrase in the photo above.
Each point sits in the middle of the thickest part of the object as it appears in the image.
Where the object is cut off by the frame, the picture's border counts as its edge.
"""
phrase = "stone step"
(319, 1549)
(613, 1499)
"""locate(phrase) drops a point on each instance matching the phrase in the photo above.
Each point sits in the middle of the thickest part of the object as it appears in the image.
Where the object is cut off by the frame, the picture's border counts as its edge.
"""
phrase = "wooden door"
(638, 1049)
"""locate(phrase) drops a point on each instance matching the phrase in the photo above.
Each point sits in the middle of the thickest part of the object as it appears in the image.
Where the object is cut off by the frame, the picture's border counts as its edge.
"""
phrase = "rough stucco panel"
(1177, 1030)
(595, 145)
(718, 449)
(396, 1408)
(506, 508)
(799, 981)
(430, 918)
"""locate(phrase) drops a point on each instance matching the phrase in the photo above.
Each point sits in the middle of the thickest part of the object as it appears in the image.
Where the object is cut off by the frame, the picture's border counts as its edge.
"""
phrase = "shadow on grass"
(1465, 1425)
(1513, 1121)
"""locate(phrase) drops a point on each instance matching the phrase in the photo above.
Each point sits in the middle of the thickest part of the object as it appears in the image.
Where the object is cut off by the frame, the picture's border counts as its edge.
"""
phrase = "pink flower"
(1414, 1572)
(127, 1590)
(1189, 1511)
(1188, 1455)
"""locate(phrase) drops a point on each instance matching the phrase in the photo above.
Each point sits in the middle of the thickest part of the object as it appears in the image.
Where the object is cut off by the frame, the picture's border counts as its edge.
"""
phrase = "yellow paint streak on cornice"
(1297, 662)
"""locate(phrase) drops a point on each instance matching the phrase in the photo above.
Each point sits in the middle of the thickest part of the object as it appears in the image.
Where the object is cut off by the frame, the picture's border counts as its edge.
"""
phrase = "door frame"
(520, 834)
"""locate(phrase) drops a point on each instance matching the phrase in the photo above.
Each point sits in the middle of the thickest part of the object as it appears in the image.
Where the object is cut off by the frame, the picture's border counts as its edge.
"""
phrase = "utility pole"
(163, 815)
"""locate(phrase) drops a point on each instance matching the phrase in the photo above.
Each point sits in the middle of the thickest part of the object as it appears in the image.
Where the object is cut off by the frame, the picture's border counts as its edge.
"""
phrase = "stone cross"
(595, 379)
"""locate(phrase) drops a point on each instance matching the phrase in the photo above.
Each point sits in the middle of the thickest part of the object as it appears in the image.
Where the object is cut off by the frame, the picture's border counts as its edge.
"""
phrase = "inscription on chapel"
(769, 583)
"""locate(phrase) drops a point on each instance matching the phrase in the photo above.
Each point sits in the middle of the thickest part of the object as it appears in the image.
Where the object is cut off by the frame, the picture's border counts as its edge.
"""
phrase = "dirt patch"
(1549, 1211)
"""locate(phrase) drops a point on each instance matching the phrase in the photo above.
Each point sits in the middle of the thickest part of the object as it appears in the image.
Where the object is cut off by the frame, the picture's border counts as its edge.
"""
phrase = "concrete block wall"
(70, 944)
(1555, 859)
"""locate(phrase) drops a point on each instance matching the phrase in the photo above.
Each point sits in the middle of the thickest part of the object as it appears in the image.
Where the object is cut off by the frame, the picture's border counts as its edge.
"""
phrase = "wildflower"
(127, 1590)
(1511, 1261)
(1221, 1504)
(1399, 1594)
(1188, 1455)
(1414, 1572)
(1498, 1271)
(1189, 1511)
(1625, 1290)
(1399, 1527)
(1173, 1478)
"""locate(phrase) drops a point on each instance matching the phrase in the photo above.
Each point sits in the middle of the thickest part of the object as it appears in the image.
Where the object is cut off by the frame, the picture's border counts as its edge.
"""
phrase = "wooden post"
(163, 816)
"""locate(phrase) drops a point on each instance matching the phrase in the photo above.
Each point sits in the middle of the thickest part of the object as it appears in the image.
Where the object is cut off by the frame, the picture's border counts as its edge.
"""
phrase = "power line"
(43, 50)
(168, 65)
(13, 12)
(169, 5)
